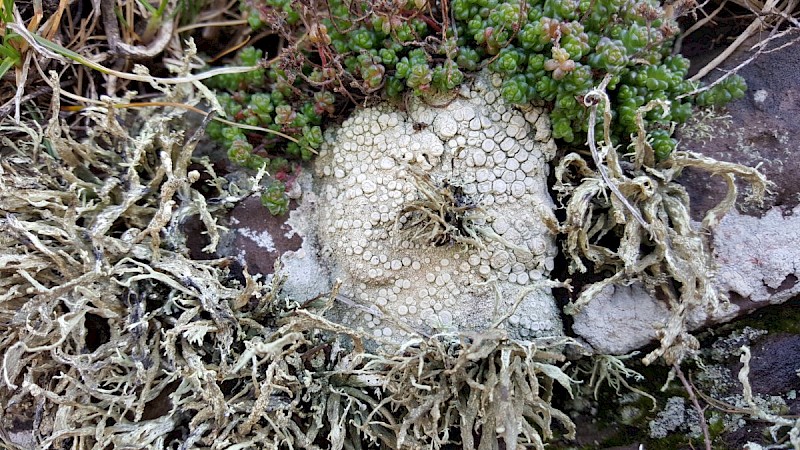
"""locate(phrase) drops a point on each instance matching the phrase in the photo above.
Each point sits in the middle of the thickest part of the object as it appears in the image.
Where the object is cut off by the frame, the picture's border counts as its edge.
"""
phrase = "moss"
(783, 318)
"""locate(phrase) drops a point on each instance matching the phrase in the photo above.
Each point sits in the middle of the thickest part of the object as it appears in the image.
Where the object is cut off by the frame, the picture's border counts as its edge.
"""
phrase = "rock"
(620, 319)
(670, 419)
(376, 236)
(307, 276)
(757, 265)
(758, 257)
(773, 375)
(257, 237)
(762, 130)
(774, 367)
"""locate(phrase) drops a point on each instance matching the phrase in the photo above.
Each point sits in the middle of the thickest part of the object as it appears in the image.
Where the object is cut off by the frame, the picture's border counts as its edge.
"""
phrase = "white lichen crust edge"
(498, 157)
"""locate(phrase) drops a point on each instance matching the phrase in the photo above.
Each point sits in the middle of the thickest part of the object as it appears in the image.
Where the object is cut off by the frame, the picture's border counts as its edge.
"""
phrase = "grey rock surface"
(259, 242)
(620, 319)
(758, 257)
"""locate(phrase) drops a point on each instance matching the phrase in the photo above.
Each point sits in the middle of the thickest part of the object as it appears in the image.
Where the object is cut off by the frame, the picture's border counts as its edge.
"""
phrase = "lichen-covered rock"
(756, 265)
(670, 419)
(490, 161)
(620, 319)
(758, 259)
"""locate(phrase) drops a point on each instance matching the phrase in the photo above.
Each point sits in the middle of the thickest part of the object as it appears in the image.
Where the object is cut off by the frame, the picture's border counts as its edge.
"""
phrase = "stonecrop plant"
(338, 53)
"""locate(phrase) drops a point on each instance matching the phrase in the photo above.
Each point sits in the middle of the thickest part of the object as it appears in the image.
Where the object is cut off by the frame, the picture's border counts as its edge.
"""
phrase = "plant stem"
(695, 403)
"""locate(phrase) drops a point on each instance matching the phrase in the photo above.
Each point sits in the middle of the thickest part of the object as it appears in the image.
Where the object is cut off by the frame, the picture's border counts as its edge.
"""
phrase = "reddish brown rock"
(259, 238)
(763, 131)
(255, 237)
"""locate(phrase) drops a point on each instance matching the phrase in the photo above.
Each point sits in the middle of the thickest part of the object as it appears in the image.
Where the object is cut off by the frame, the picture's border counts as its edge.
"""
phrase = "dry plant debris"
(770, 21)
(442, 215)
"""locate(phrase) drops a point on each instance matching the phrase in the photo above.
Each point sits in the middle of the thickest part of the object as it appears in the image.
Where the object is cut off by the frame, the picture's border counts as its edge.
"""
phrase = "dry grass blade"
(141, 73)
(770, 15)
(753, 28)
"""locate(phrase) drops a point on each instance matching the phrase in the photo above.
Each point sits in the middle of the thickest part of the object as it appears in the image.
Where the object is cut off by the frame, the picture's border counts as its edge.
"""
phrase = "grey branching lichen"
(611, 370)
(443, 214)
(113, 338)
(639, 201)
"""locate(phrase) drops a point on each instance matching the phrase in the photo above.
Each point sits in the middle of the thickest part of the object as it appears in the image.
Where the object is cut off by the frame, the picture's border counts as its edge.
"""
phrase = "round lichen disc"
(437, 215)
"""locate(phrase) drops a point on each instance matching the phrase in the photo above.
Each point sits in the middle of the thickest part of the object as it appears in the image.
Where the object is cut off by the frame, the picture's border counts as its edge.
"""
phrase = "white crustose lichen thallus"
(498, 158)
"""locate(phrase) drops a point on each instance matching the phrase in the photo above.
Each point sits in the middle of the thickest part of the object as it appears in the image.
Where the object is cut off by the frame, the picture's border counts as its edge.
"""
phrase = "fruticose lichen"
(382, 168)
(114, 338)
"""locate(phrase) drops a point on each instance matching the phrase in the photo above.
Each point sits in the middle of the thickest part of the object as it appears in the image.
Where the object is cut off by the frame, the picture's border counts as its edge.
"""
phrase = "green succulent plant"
(550, 51)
